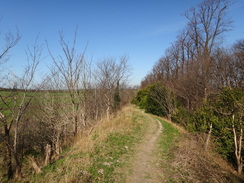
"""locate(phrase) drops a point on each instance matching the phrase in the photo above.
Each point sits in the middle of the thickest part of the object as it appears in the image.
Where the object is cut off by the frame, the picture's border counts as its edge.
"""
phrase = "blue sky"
(140, 29)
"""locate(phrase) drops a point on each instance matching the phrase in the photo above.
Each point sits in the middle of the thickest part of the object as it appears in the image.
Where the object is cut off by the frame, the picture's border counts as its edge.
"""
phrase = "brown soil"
(144, 165)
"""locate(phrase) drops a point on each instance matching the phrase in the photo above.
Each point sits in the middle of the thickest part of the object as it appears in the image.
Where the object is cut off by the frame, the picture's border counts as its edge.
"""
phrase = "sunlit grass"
(98, 152)
(168, 137)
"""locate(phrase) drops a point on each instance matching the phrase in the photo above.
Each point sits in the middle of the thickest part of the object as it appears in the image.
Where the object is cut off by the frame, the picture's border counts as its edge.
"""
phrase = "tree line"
(198, 83)
(39, 117)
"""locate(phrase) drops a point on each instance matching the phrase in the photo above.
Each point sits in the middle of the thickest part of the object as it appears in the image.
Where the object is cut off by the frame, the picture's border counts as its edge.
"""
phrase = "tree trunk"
(48, 154)
(34, 165)
(18, 169)
(57, 145)
(169, 116)
(108, 110)
(240, 166)
(76, 124)
(75, 117)
(8, 152)
(83, 116)
(209, 136)
(238, 146)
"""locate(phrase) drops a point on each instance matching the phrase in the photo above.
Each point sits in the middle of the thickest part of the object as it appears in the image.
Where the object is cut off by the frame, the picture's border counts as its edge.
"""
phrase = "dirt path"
(144, 167)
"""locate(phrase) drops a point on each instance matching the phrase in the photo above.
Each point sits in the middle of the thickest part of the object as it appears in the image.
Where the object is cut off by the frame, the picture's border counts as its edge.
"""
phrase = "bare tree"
(15, 104)
(188, 65)
(207, 22)
(111, 74)
(11, 41)
(238, 140)
(54, 118)
(72, 67)
(239, 62)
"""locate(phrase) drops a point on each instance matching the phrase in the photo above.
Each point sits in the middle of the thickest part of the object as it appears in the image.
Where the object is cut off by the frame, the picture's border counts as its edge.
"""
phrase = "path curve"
(145, 163)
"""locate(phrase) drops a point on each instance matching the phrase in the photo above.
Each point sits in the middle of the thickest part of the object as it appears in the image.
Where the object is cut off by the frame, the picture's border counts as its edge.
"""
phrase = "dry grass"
(74, 163)
(192, 163)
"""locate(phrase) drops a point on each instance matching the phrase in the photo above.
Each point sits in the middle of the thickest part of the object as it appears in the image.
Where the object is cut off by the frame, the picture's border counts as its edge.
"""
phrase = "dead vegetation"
(191, 162)
(75, 162)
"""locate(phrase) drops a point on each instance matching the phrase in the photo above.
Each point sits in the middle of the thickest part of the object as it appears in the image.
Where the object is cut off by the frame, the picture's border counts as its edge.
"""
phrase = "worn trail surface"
(144, 168)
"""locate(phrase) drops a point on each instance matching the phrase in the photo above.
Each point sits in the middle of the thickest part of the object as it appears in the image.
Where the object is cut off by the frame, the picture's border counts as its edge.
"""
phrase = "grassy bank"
(183, 158)
(98, 152)
(167, 138)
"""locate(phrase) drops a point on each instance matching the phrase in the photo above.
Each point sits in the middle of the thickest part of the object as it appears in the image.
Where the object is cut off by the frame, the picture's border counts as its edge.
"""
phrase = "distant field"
(11, 99)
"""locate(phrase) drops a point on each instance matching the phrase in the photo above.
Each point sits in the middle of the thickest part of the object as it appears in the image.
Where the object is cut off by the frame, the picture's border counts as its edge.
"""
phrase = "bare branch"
(11, 40)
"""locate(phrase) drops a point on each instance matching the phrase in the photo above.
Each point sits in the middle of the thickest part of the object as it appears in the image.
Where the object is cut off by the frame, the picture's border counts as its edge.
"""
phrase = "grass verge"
(167, 138)
(98, 152)
(167, 141)
(184, 158)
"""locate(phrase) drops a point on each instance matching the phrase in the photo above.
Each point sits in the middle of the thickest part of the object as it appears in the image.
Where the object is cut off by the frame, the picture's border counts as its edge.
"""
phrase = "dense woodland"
(199, 81)
(41, 117)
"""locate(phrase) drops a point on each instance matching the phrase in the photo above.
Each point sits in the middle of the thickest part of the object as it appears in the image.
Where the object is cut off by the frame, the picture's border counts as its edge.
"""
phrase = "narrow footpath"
(145, 165)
